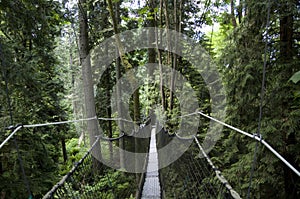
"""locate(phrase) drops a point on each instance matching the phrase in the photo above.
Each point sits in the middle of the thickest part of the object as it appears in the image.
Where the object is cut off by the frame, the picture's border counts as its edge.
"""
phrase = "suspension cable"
(16, 129)
(256, 137)
(253, 136)
(261, 99)
(219, 175)
(10, 136)
(58, 123)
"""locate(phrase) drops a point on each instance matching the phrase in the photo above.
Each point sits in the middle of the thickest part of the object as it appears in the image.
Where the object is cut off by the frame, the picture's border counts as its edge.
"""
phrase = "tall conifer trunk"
(114, 14)
(89, 100)
(286, 57)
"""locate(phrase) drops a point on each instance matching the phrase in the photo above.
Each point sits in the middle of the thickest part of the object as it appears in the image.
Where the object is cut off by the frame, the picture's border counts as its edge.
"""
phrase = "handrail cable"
(16, 128)
(256, 137)
(253, 136)
(219, 175)
(10, 136)
(65, 177)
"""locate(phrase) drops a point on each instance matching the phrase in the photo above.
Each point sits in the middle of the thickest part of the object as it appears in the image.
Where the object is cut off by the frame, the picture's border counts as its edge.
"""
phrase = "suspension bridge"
(192, 175)
(154, 183)
(189, 176)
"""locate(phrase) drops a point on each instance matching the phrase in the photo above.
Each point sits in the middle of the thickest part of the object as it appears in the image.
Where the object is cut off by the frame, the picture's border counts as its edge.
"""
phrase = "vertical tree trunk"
(240, 11)
(232, 7)
(64, 150)
(175, 58)
(286, 56)
(166, 13)
(136, 108)
(89, 100)
(108, 112)
(118, 74)
(74, 101)
(151, 51)
(159, 53)
(286, 35)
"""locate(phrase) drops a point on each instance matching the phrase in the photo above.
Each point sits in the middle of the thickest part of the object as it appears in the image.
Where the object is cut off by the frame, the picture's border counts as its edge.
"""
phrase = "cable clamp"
(258, 135)
(11, 127)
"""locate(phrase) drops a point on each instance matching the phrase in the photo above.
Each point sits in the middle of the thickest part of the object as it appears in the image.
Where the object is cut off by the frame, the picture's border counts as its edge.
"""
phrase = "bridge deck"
(151, 188)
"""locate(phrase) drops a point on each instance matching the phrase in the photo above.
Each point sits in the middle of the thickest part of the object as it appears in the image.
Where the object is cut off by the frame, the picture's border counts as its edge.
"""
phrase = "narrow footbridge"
(187, 177)
(151, 188)
(191, 174)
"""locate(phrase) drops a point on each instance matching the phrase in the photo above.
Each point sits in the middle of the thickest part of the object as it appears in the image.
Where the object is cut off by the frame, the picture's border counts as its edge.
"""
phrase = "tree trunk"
(108, 112)
(115, 20)
(240, 11)
(232, 6)
(64, 150)
(286, 36)
(159, 54)
(175, 58)
(286, 56)
(151, 51)
(165, 8)
(89, 100)
(136, 108)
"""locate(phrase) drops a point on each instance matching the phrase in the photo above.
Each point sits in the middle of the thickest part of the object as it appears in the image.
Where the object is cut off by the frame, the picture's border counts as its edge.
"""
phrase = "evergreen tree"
(241, 61)
(28, 30)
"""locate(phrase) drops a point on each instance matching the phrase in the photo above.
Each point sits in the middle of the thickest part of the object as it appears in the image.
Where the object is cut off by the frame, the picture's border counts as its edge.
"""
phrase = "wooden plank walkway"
(151, 188)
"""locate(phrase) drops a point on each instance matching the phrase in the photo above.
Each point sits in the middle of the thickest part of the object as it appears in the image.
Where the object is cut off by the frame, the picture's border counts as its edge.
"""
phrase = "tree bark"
(286, 56)
(151, 36)
(136, 115)
(166, 13)
(174, 61)
(232, 6)
(64, 150)
(89, 100)
(108, 112)
(286, 36)
(240, 11)
(159, 54)
(120, 59)
(151, 51)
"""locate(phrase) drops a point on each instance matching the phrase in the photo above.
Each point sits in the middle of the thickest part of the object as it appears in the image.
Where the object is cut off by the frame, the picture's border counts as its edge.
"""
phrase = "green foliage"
(296, 77)
(240, 59)
(44, 80)
(74, 153)
(28, 30)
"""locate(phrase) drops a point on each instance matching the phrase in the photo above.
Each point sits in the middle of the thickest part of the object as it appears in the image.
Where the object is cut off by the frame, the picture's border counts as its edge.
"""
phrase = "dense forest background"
(43, 79)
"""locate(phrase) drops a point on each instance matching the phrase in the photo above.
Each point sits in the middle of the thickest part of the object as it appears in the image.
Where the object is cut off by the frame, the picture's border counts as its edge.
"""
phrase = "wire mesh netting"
(90, 178)
(106, 174)
(190, 176)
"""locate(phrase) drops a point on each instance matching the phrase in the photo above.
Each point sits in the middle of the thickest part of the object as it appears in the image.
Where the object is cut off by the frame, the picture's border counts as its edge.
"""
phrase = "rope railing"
(253, 136)
(219, 175)
(194, 177)
(257, 137)
(87, 181)
(90, 178)
(17, 127)
(65, 189)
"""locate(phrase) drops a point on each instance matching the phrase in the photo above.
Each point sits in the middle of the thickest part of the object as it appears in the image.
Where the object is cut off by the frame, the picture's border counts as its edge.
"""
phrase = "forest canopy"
(48, 75)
